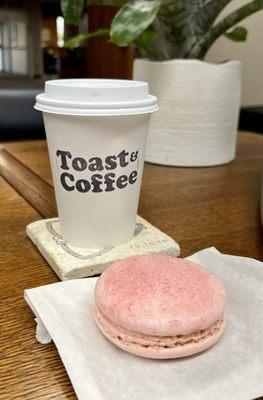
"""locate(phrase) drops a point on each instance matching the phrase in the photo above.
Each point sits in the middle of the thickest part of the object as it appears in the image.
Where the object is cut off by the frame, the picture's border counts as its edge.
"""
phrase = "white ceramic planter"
(199, 106)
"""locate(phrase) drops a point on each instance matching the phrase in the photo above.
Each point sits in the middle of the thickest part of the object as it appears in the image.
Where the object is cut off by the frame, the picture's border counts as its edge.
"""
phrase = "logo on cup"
(101, 180)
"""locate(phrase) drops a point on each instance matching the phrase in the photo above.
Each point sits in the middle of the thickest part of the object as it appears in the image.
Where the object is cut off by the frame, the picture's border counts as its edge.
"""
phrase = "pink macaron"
(160, 306)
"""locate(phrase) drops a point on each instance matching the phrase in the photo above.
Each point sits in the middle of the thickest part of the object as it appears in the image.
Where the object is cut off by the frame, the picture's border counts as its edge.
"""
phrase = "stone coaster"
(70, 262)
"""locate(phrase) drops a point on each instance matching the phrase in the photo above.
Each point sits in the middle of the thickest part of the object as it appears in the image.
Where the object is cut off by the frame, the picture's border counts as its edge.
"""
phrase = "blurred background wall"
(250, 53)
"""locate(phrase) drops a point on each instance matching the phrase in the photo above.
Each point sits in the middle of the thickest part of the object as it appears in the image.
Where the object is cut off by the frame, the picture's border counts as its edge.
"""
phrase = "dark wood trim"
(106, 60)
(37, 192)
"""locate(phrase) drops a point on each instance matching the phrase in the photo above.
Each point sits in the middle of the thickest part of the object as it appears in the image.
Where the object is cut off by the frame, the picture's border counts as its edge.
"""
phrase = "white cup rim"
(96, 97)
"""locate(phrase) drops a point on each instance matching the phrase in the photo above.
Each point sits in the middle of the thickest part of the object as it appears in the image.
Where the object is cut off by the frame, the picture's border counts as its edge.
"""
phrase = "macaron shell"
(160, 295)
(164, 353)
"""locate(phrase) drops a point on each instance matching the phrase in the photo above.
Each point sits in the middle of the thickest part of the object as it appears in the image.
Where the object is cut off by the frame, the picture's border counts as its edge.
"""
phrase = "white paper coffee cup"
(96, 132)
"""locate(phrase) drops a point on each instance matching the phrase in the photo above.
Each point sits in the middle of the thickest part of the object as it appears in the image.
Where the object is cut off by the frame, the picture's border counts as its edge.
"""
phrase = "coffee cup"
(96, 133)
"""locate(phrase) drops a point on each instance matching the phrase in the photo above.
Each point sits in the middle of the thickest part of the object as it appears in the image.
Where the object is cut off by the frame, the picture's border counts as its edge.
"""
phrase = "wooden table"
(199, 207)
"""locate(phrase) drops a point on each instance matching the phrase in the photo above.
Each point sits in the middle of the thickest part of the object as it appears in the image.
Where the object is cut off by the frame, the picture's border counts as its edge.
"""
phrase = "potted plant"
(199, 102)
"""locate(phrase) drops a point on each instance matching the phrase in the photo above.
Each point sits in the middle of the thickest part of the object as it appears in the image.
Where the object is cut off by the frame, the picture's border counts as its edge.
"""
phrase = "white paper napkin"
(230, 370)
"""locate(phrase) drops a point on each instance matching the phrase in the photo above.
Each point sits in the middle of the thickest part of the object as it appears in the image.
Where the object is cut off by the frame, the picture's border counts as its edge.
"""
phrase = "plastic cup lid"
(96, 97)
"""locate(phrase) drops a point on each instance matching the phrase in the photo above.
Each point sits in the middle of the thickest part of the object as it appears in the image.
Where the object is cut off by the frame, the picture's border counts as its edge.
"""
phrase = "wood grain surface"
(199, 208)
(39, 194)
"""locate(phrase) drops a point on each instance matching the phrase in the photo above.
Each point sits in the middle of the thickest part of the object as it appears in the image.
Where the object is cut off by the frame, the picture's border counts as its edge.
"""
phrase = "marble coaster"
(70, 262)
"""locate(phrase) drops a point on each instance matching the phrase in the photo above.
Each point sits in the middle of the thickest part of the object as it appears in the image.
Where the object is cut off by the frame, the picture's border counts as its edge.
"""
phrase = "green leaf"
(224, 25)
(72, 10)
(147, 37)
(106, 2)
(185, 22)
(132, 19)
(144, 43)
(75, 41)
(238, 34)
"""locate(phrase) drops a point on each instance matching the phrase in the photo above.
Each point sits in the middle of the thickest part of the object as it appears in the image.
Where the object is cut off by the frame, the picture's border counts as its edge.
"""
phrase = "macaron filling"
(118, 333)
